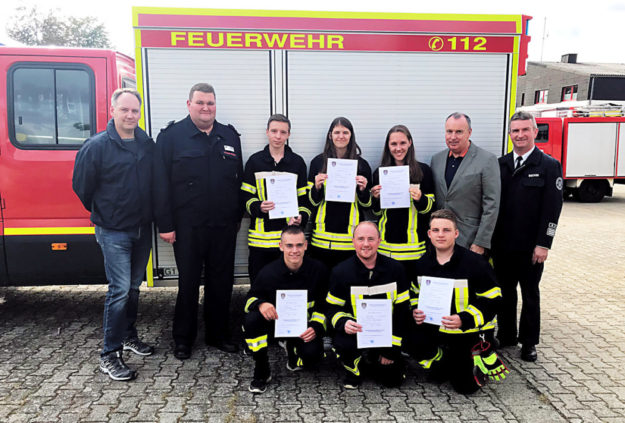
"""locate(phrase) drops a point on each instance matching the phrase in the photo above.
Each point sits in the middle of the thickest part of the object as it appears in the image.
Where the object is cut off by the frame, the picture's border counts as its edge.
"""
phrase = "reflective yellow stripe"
(431, 201)
(319, 318)
(248, 204)
(426, 364)
(411, 230)
(477, 315)
(354, 369)
(311, 186)
(382, 226)
(248, 188)
(257, 344)
(397, 341)
(249, 303)
(367, 204)
(265, 235)
(331, 299)
(301, 191)
(311, 304)
(414, 302)
(50, 231)
(304, 210)
(402, 256)
(491, 293)
(404, 296)
(334, 245)
(489, 325)
(338, 316)
(332, 236)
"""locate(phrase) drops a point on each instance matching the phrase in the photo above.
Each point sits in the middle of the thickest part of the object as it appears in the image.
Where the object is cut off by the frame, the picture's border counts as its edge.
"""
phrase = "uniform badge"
(559, 184)
(551, 229)
(229, 148)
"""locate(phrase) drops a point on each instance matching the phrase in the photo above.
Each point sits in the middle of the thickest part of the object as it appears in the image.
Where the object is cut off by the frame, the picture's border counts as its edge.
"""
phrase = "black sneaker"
(138, 347)
(113, 364)
(351, 381)
(258, 386)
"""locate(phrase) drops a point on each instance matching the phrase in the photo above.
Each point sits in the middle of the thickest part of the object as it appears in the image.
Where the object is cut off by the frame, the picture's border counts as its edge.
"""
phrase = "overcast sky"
(591, 29)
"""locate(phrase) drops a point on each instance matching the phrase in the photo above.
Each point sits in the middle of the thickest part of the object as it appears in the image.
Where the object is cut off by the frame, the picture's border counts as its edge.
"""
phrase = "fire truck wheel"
(591, 191)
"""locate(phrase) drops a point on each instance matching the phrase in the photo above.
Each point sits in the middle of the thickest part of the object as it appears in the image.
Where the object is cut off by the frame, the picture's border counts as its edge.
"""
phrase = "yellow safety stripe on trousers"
(403, 296)
(478, 317)
(489, 325)
(491, 293)
(319, 318)
(256, 344)
(354, 369)
(334, 245)
(426, 364)
(396, 340)
(311, 186)
(338, 316)
(249, 303)
(248, 204)
(248, 188)
(331, 299)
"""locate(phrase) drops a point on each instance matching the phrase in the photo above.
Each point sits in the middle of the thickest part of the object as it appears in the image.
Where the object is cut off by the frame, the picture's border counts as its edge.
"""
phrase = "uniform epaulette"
(234, 129)
(170, 123)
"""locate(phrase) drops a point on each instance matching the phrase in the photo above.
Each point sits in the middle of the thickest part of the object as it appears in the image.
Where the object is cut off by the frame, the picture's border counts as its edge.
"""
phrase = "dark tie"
(518, 162)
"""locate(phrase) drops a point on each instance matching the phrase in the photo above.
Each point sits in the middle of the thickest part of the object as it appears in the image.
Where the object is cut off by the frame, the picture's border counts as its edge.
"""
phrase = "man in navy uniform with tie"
(531, 201)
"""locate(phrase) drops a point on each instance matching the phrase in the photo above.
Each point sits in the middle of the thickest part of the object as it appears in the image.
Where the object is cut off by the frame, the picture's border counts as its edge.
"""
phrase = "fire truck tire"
(591, 190)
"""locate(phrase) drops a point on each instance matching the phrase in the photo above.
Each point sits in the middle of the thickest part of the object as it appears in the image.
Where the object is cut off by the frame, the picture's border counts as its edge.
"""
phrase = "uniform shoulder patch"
(233, 129)
(559, 183)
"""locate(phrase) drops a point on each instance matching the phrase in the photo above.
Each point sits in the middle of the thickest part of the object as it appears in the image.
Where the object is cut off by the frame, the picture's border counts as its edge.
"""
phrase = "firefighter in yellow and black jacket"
(445, 347)
(367, 275)
(292, 271)
(275, 158)
(334, 222)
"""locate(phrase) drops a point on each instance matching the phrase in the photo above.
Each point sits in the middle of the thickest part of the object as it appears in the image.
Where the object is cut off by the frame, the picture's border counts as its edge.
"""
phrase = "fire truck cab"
(51, 101)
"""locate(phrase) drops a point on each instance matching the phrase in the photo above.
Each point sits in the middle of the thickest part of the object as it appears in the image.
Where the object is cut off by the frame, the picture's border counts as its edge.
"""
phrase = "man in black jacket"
(444, 347)
(197, 175)
(368, 275)
(293, 271)
(112, 178)
(531, 201)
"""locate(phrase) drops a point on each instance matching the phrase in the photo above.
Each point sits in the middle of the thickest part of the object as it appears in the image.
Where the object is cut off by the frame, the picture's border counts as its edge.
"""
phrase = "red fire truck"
(51, 101)
(589, 141)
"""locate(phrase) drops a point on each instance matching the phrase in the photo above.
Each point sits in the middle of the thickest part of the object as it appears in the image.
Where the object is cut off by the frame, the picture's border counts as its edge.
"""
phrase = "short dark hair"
(202, 87)
(118, 92)
(524, 116)
(458, 115)
(278, 117)
(445, 214)
(292, 230)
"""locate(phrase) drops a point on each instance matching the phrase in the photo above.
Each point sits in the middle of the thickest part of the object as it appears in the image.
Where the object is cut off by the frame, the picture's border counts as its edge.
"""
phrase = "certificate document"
(282, 191)
(341, 182)
(376, 319)
(435, 298)
(292, 309)
(395, 181)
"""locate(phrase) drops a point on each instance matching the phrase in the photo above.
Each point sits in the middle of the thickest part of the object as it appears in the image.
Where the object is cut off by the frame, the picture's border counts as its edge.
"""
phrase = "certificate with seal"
(282, 191)
(395, 181)
(435, 298)
(376, 319)
(341, 182)
(292, 309)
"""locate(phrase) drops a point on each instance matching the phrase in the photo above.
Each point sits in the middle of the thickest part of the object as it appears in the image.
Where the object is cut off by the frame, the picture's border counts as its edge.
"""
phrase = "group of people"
(466, 208)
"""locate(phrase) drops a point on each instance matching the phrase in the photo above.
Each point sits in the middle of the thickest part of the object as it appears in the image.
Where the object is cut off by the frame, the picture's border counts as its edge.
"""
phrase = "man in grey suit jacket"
(467, 182)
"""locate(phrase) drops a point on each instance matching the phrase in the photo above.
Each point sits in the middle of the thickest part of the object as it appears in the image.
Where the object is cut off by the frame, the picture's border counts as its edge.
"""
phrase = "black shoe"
(113, 364)
(258, 386)
(292, 362)
(138, 347)
(528, 352)
(351, 381)
(224, 346)
(182, 351)
(262, 375)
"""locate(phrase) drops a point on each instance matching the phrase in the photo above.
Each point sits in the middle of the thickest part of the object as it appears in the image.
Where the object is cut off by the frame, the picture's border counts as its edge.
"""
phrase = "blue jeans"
(126, 256)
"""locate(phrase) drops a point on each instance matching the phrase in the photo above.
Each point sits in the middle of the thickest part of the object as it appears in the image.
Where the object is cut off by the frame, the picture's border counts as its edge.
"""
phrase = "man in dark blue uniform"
(531, 201)
(112, 178)
(197, 175)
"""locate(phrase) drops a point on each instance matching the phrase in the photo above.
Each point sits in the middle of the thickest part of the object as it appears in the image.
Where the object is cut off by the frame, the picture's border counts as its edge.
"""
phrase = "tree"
(33, 27)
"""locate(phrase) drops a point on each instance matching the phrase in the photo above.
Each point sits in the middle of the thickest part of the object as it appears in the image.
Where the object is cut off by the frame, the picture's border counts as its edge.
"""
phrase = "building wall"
(541, 77)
